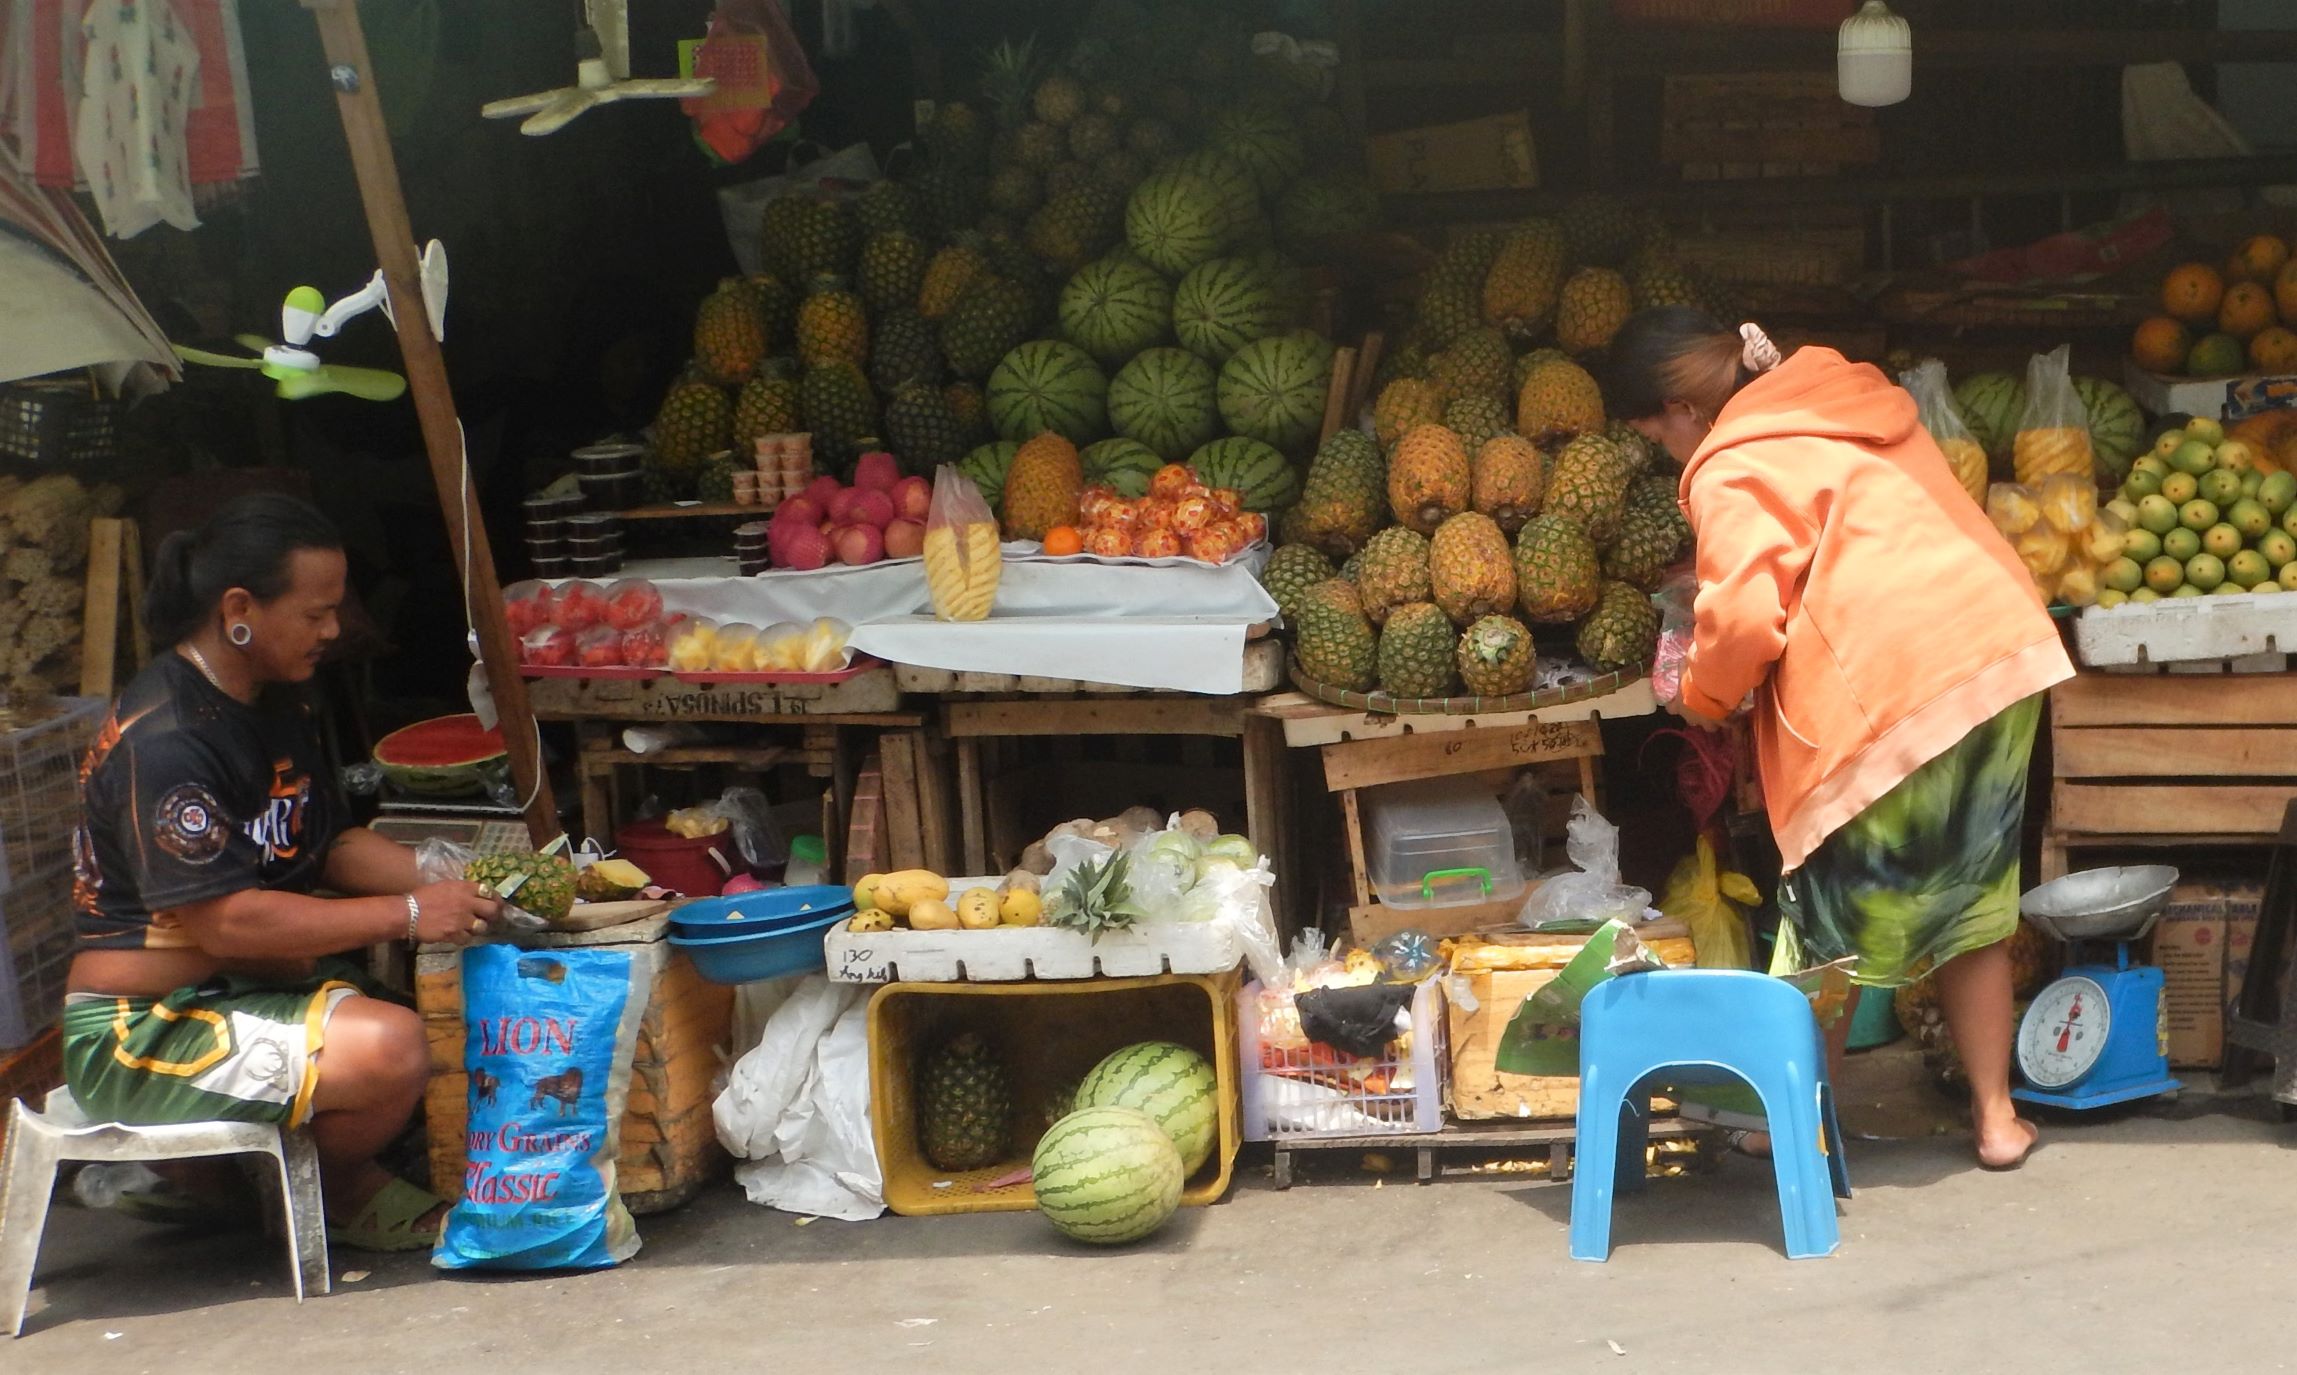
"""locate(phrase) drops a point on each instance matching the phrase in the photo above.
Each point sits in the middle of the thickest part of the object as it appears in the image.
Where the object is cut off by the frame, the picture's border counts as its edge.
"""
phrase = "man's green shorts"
(230, 1050)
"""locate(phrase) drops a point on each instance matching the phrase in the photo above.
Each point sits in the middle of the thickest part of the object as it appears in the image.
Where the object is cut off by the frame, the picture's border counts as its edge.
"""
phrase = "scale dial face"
(2064, 1032)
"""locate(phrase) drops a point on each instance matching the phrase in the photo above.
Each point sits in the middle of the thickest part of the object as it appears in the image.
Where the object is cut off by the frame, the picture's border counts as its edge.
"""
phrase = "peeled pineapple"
(1967, 459)
(962, 566)
(2070, 504)
(2044, 550)
(2042, 453)
(2012, 509)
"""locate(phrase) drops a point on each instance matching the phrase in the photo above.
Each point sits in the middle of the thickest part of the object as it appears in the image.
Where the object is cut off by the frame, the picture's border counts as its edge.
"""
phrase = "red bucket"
(697, 867)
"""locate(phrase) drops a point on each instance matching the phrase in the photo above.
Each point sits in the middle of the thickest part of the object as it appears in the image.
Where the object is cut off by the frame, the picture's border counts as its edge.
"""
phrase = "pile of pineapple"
(1493, 499)
(879, 318)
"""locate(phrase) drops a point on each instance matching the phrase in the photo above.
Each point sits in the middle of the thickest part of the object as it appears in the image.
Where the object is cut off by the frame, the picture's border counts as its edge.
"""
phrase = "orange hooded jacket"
(1847, 575)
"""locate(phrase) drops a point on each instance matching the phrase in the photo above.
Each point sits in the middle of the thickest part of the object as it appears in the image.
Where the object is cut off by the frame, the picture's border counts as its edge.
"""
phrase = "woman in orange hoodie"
(1889, 648)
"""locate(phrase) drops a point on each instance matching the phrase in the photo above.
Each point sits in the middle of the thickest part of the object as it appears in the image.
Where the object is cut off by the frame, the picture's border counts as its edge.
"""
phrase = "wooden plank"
(1323, 724)
(1367, 370)
(2101, 699)
(695, 511)
(913, 679)
(897, 754)
(1369, 763)
(1336, 395)
(870, 698)
(100, 617)
(1371, 922)
(2176, 809)
(132, 554)
(934, 801)
(1352, 822)
(972, 806)
(2202, 752)
(1131, 716)
(747, 756)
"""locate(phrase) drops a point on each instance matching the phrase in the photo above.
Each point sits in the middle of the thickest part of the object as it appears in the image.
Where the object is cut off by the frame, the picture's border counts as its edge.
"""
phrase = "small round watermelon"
(1325, 207)
(1992, 404)
(1167, 399)
(1116, 306)
(1239, 197)
(1049, 385)
(1124, 466)
(1264, 138)
(1107, 1176)
(1265, 477)
(987, 467)
(1223, 305)
(1273, 390)
(1171, 1083)
(1175, 221)
(2117, 426)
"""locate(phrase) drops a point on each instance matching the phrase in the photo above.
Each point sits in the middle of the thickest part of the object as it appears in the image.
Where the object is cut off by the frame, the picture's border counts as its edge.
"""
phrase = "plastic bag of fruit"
(962, 560)
(2053, 437)
(1934, 400)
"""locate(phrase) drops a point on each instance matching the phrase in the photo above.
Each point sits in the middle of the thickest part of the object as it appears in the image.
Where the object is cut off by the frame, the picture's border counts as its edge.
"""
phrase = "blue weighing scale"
(2099, 1034)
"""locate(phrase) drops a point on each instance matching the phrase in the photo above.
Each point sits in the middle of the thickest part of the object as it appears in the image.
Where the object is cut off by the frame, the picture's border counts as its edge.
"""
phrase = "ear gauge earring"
(241, 634)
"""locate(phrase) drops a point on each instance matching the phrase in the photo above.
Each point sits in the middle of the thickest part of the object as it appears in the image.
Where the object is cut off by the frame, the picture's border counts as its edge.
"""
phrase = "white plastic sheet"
(796, 1108)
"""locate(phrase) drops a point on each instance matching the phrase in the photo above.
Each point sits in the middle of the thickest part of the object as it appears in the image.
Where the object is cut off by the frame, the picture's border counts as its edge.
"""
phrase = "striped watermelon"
(1115, 307)
(1273, 390)
(1107, 1176)
(1166, 399)
(1265, 477)
(987, 467)
(2117, 426)
(1049, 385)
(1992, 403)
(1223, 305)
(1264, 138)
(1239, 197)
(1124, 466)
(1169, 1082)
(1175, 221)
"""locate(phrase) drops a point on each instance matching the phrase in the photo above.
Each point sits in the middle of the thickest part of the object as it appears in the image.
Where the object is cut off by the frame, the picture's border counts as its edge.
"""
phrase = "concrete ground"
(2159, 1239)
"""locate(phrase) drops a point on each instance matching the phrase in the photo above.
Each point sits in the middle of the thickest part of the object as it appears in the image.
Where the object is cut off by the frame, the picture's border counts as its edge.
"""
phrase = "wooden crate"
(2168, 762)
(1740, 126)
(669, 1144)
(866, 699)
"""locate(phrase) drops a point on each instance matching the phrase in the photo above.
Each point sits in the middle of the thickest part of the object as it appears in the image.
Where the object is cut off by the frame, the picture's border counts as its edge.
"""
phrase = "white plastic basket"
(2186, 630)
(1004, 954)
(1316, 1093)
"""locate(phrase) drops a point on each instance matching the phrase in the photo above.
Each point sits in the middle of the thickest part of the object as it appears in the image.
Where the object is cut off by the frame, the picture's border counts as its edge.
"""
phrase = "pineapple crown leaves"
(1009, 77)
(1095, 898)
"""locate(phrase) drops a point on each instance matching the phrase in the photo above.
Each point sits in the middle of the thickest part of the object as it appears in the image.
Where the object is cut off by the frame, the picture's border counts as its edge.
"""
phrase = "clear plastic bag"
(1934, 400)
(2054, 434)
(962, 560)
(439, 861)
(1593, 894)
(1675, 600)
(756, 834)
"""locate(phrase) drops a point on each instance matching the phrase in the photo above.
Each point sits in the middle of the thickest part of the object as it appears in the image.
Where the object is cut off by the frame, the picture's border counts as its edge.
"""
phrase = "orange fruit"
(2216, 355)
(2285, 292)
(1062, 540)
(2160, 345)
(2274, 350)
(2191, 293)
(2246, 309)
(2259, 259)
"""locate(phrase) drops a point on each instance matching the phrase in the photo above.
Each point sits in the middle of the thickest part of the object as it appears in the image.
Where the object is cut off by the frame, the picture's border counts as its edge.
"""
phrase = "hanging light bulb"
(1874, 56)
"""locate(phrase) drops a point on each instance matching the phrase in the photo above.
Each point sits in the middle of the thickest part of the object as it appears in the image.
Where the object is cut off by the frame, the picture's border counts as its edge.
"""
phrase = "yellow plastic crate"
(1049, 1035)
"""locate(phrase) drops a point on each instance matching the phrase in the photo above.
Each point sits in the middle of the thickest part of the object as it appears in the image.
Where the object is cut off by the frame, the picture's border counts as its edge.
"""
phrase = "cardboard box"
(1490, 154)
(2202, 945)
(2217, 398)
(1478, 1091)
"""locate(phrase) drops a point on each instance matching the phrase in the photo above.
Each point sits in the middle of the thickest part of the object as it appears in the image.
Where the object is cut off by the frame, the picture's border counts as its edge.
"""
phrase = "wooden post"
(356, 100)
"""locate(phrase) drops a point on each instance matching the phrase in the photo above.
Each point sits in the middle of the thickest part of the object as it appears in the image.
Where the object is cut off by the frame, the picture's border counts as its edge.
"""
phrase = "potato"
(932, 914)
(977, 909)
(1139, 819)
(1022, 881)
(1200, 823)
(899, 892)
(1037, 859)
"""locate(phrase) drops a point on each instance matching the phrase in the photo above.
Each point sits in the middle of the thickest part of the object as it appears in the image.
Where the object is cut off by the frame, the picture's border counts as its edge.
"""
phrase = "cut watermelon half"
(445, 757)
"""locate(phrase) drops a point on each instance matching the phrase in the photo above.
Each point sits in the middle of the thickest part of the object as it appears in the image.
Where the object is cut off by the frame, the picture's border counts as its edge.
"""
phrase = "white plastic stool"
(40, 1141)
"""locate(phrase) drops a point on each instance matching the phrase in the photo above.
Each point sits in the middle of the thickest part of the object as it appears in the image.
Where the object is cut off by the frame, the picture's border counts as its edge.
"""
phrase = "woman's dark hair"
(247, 544)
(1673, 353)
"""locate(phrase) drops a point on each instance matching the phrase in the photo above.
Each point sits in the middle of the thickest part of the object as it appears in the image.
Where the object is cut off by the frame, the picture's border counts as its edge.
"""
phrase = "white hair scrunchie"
(1760, 354)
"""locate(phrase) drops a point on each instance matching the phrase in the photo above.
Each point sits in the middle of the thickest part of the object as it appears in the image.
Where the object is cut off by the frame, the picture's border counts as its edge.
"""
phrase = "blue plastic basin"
(756, 952)
(770, 909)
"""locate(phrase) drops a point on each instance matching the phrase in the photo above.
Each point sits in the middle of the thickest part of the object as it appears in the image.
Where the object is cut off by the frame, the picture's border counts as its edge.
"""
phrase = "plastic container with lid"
(1439, 843)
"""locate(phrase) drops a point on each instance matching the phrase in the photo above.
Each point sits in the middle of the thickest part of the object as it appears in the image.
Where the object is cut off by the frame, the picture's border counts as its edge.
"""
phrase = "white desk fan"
(601, 76)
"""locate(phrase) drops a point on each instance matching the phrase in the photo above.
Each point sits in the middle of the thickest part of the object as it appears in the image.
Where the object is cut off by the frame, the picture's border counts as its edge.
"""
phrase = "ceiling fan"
(305, 315)
(601, 76)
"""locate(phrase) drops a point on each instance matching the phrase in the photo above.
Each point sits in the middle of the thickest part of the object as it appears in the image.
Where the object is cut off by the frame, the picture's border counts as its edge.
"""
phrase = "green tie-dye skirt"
(1928, 872)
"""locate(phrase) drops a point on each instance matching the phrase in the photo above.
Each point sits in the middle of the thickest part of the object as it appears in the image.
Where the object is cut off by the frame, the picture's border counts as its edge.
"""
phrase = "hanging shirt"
(136, 91)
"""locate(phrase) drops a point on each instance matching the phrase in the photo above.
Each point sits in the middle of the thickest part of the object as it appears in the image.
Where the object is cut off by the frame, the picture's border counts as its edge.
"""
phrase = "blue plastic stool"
(1691, 1026)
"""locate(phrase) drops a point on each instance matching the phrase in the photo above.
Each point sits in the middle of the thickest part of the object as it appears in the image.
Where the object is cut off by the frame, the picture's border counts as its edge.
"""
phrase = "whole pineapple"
(1640, 454)
(696, 420)
(1094, 136)
(1042, 487)
(952, 196)
(1344, 497)
(1508, 479)
(839, 409)
(1477, 363)
(1428, 478)
(956, 134)
(1588, 486)
(715, 483)
(1599, 229)
(969, 407)
(948, 275)
(1496, 657)
(891, 271)
(729, 334)
(1559, 399)
(1478, 420)
(832, 325)
(1015, 190)
(768, 404)
(889, 207)
(777, 307)
(1661, 282)
(1335, 644)
(1391, 570)
(545, 883)
(1622, 633)
(1595, 303)
(1415, 652)
(993, 317)
(1448, 309)
(905, 349)
(1557, 575)
(804, 236)
(1519, 293)
(1291, 570)
(1652, 535)
(964, 1105)
(1404, 405)
(1075, 225)
(1470, 568)
(922, 429)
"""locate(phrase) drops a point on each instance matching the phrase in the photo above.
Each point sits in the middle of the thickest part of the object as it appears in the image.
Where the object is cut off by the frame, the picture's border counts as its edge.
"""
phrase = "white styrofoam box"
(2185, 629)
(2214, 398)
(1004, 954)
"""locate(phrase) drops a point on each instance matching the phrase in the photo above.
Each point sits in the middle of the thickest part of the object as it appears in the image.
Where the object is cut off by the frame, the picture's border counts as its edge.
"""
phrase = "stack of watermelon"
(1143, 1121)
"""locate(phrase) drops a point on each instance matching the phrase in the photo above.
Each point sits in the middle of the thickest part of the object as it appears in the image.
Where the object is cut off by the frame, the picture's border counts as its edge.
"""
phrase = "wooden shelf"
(1652, 52)
(694, 511)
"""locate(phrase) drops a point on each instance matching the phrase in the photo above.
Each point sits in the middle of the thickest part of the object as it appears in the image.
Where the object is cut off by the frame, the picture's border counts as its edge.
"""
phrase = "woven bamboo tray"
(1389, 705)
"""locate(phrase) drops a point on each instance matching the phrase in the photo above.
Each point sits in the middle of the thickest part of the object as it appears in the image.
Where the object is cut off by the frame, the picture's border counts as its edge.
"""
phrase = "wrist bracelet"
(414, 918)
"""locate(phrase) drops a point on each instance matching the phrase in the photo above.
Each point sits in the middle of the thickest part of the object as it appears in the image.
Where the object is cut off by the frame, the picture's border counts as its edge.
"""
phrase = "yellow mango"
(865, 891)
(1021, 907)
(932, 914)
(870, 921)
(977, 909)
(900, 891)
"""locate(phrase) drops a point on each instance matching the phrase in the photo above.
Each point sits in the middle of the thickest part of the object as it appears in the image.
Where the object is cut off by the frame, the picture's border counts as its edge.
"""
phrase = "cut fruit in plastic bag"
(577, 606)
(2069, 504)
(2054, 435)
(1934, 401)
(2044, 550)
(599, 647)
(736, 648)
(823, 650)
(782, 647)
(962, 560)
(631, 603)
(693, 645)
(526, 606)
(2012, 509)
(547, 646)
(2078, 587)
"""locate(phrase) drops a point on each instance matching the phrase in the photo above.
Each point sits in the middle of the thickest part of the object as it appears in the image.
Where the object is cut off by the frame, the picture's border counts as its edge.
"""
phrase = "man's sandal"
(390, 1221)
